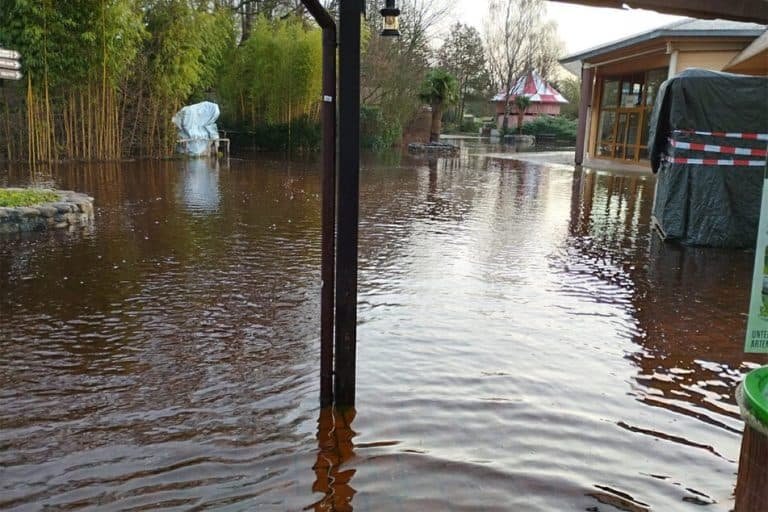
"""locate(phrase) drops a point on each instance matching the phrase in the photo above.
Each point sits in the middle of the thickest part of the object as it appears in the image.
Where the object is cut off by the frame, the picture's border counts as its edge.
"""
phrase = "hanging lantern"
(391, 23)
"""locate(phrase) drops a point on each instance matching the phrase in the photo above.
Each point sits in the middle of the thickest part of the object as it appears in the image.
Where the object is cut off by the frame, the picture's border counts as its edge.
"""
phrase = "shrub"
(377, 132)
(562, 128)
(26, 197)
(302, 133)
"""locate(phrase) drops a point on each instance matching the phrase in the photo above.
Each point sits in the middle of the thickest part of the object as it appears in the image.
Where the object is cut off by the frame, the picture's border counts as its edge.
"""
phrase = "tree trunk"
(505, 122)
(520, 117)
(247, 22)
(437, 117)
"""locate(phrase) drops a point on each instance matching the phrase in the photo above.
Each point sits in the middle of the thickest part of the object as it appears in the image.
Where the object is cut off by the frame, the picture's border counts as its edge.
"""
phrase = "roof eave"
(660, 34)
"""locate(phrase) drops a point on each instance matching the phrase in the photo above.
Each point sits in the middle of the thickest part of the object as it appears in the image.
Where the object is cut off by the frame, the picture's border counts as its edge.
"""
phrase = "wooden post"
(328, 209)
(348, 192)
(587, 76)
(752, 483)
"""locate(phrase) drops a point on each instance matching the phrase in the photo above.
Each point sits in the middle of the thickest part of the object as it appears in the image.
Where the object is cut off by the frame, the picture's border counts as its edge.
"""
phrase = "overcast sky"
(579, 27)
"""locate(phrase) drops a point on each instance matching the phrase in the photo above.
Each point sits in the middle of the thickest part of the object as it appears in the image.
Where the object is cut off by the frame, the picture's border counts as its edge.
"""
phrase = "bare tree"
(392, 69)
(518, 41)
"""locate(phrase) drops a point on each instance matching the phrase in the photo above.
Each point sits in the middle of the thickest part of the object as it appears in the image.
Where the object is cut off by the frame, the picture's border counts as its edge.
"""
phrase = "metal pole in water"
(348, 201)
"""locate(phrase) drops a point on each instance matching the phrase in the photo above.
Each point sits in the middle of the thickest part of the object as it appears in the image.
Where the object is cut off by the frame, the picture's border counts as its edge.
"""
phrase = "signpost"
(10, 65)
(757, 324)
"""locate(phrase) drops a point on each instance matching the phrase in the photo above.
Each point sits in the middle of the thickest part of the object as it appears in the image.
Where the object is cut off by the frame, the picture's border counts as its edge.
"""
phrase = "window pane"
(646, 127)
(643, 153)
(632, 131)
(610, 93)
(622, 124)
(604, 149)
(654, 78)
(607, 123)
(631, 93)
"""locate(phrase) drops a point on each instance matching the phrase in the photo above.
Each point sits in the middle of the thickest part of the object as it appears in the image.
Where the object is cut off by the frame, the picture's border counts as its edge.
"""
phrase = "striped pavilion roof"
(535, 87)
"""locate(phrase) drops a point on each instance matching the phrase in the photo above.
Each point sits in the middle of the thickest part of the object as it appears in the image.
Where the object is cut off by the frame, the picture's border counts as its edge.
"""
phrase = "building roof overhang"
(738, 10)
(682, 30)
(754, 58)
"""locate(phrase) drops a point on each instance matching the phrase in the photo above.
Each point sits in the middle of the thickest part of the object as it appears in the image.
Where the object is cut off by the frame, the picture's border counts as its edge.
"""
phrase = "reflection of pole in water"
(335, 447)
(582, 196)
(432, 164)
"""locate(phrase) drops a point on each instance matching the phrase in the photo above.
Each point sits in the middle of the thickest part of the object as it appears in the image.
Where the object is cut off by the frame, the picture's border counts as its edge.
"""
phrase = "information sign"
(757, 323)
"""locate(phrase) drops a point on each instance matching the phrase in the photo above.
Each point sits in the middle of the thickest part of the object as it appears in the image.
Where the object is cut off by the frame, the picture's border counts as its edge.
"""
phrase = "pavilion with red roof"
(545, 100)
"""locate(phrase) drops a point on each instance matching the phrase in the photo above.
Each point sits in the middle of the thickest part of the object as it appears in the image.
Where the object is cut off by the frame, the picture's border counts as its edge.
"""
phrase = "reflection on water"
(200, 186)
(526, 343)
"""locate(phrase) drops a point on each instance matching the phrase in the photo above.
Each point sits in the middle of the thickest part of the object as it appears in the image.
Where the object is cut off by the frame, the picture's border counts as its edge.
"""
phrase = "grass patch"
(26, 197)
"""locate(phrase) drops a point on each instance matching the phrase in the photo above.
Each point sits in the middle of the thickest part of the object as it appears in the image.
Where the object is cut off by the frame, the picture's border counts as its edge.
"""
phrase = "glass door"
(625, 108)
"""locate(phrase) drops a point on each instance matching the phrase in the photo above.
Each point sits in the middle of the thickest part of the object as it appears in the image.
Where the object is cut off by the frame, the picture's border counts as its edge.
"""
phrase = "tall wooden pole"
(587, 76)
(328, 210)
(348, 201)
(328, 216)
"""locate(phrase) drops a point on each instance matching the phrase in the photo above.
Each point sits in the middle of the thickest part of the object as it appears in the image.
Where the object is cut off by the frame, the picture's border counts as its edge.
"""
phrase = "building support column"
(673, 54)
(587, 77)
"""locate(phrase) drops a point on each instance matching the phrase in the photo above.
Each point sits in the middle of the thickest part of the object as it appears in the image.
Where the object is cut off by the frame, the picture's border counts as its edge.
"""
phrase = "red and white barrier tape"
(716, 161)
(729, 135)
(712, 148)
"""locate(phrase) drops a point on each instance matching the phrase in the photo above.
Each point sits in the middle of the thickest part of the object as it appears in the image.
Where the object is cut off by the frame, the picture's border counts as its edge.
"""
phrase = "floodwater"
(525, 344)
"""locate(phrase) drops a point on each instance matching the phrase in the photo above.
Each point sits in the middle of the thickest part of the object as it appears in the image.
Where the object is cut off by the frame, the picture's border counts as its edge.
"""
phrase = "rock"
(28, 211)
(64, 207)
(71, 209)
(6, 228)
(47, 211)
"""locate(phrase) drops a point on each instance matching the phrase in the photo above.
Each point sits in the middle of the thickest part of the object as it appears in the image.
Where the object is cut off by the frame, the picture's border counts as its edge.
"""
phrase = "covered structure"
(707, 143)
(620, 80)
(545, 99)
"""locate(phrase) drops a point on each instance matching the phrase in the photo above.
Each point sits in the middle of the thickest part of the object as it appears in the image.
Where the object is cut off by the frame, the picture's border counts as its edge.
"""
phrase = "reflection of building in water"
(199, 188)
(688, 303)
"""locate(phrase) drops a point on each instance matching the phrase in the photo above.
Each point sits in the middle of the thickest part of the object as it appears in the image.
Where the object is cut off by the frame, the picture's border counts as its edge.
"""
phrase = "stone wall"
(72, 209)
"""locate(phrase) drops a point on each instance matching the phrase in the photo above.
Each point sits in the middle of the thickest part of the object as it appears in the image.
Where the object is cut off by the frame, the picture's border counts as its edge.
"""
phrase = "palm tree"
(522, 103)
(440, 89)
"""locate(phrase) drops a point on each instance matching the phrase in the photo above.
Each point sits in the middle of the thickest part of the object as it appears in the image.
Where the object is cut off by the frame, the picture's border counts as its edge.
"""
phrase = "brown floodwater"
(525, 343)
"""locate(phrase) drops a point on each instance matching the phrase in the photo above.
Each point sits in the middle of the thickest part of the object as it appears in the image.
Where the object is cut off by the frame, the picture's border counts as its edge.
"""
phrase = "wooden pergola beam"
(755, 11)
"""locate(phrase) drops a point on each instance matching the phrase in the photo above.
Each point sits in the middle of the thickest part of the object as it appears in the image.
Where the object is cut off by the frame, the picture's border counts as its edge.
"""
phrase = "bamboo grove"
(102, 78)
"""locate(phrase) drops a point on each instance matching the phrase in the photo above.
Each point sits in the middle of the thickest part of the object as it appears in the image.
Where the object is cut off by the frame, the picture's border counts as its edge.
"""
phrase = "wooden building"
(620, 79)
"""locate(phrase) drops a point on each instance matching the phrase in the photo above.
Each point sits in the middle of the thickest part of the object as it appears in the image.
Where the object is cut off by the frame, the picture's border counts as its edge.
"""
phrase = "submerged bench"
(213, 145)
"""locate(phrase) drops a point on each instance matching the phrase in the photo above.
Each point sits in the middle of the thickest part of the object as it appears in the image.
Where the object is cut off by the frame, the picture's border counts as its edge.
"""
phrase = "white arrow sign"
(10, 64)
(10, 75)
(9, 54)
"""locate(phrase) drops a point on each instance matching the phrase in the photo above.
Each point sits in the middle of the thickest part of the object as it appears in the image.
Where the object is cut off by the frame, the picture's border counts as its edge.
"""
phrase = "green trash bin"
(752, 484)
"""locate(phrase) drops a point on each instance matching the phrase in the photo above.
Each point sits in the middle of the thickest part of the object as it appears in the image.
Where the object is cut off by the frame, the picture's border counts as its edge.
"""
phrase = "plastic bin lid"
(756, 393)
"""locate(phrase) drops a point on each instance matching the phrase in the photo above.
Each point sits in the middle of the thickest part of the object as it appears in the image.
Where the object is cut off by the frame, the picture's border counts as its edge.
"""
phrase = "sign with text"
(10, 65)
(757, 324)
(9, 74)
(9, 54)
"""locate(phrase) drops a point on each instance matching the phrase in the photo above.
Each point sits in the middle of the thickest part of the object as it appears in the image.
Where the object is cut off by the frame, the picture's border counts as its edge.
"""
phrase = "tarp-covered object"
(198, 123)
(707, 143)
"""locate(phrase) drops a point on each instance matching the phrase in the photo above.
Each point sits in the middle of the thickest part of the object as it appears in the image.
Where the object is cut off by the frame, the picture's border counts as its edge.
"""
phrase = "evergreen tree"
(463, 55)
